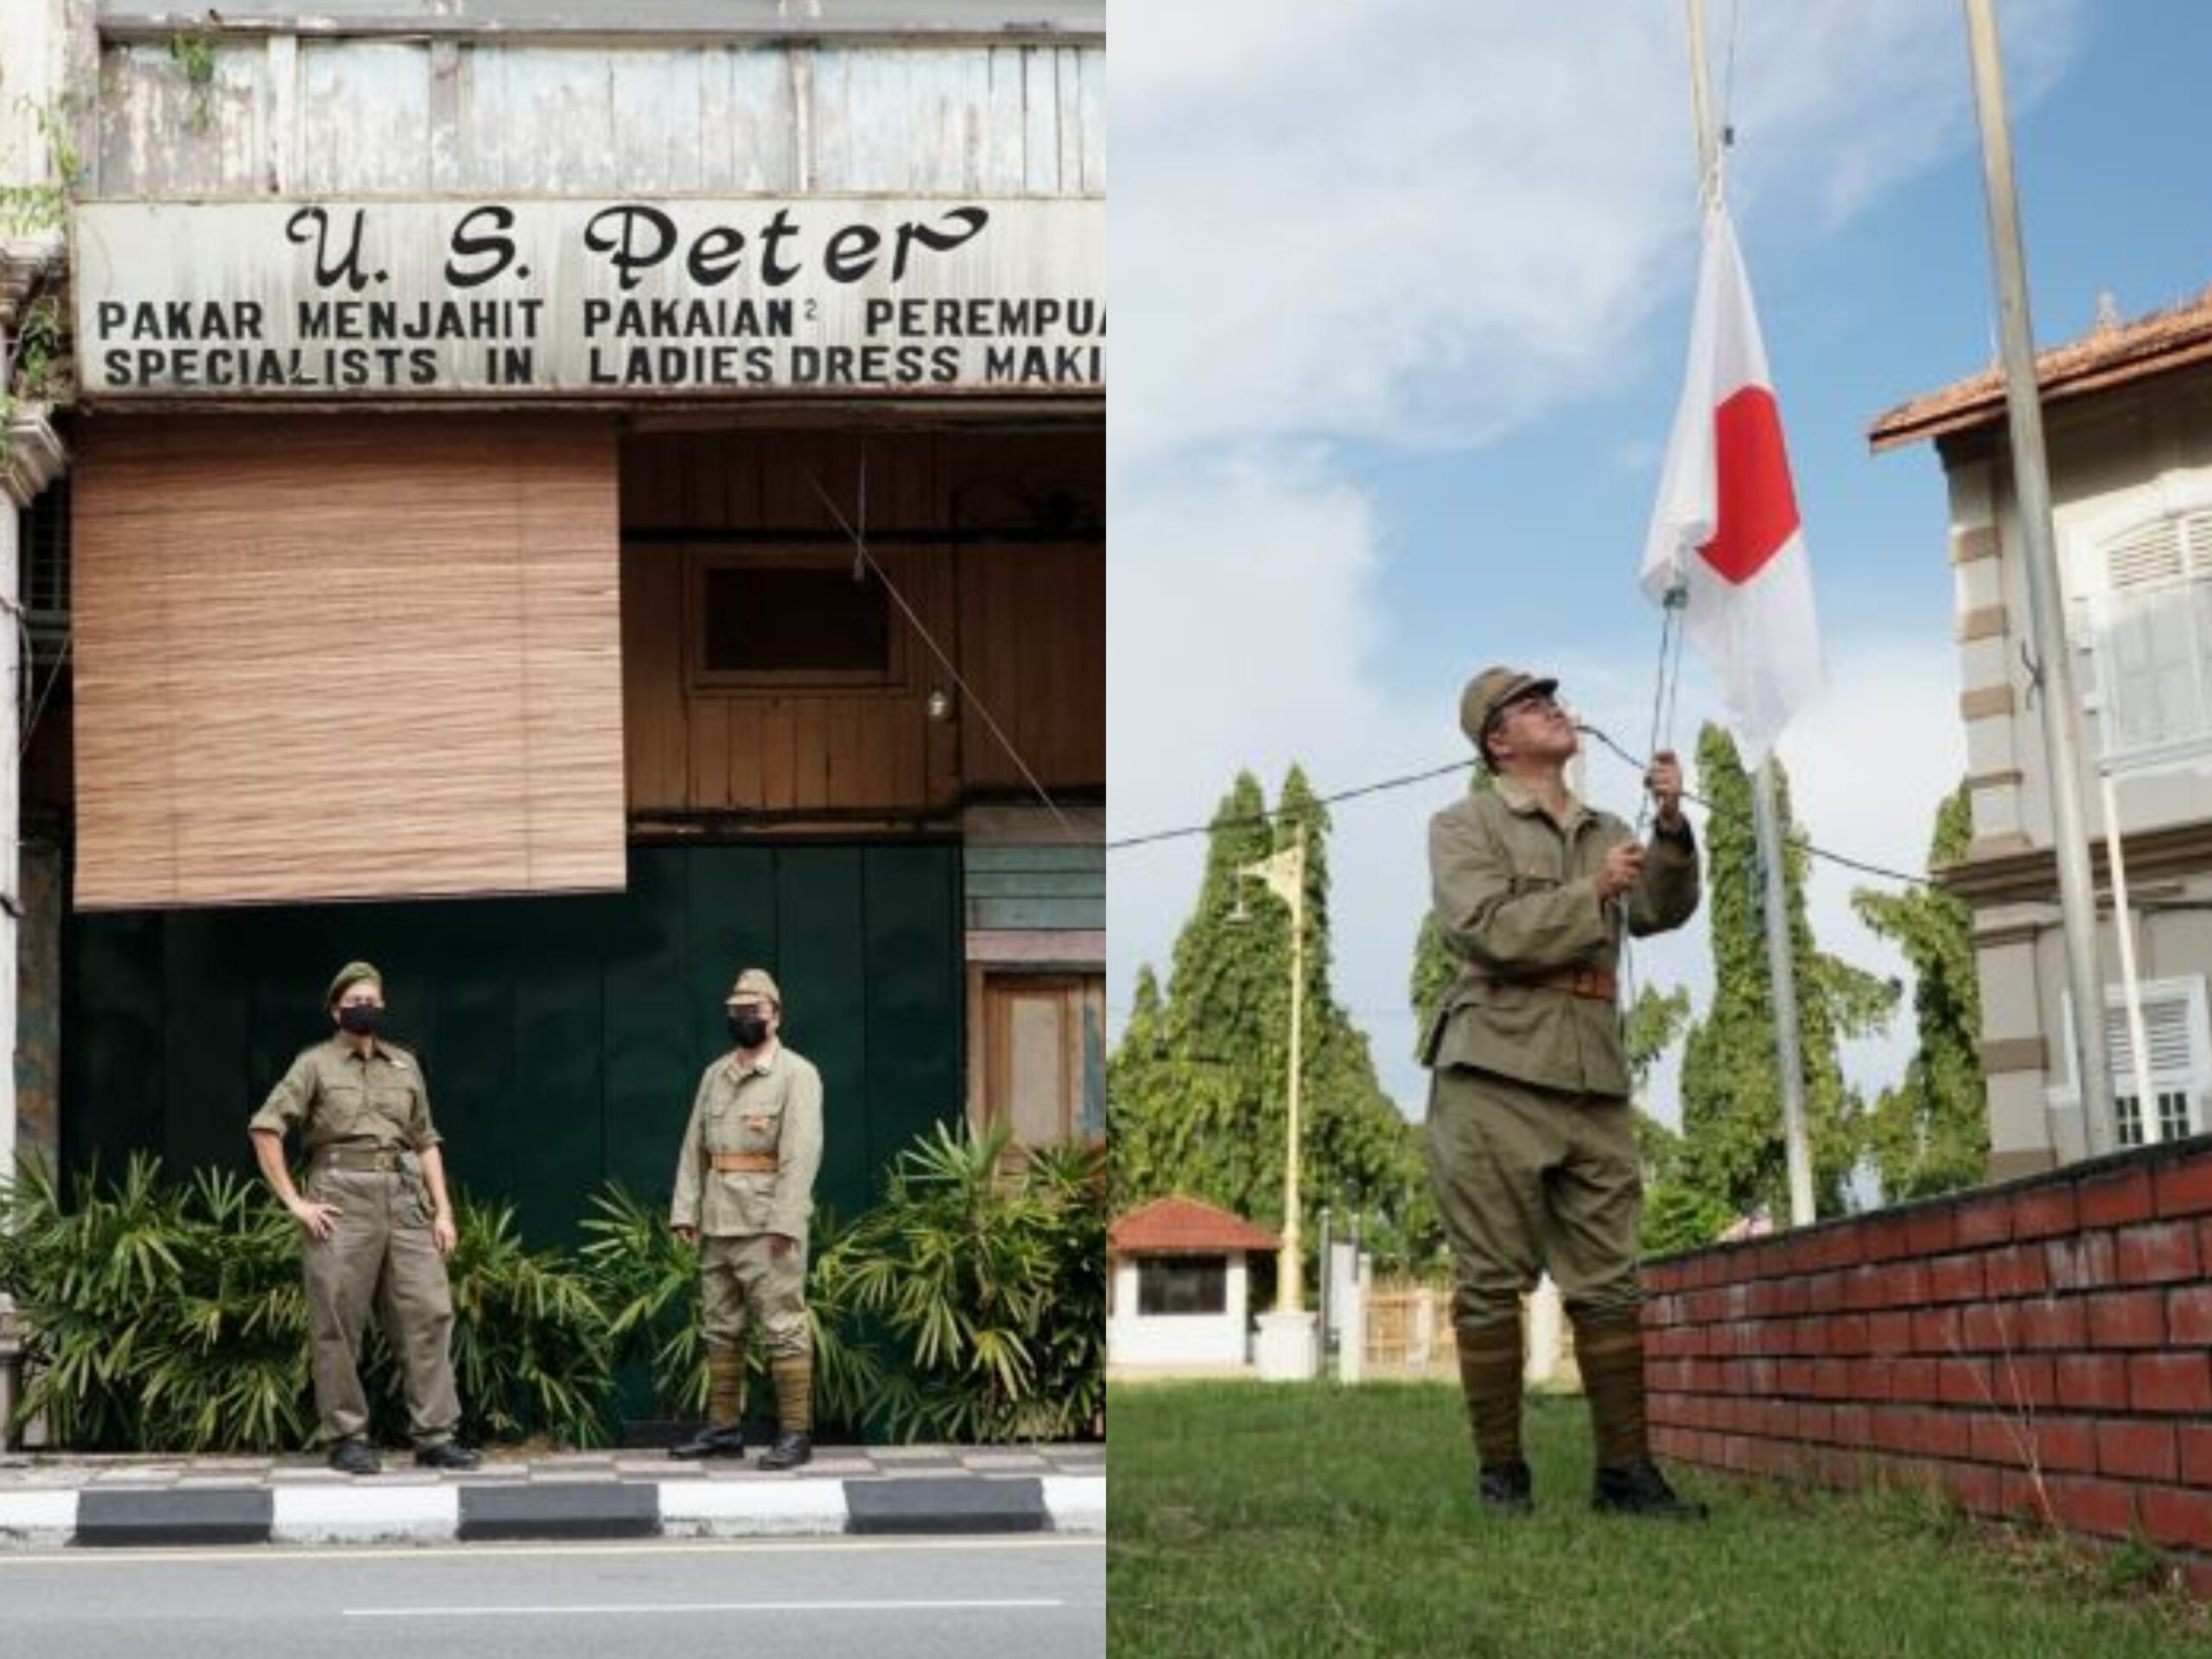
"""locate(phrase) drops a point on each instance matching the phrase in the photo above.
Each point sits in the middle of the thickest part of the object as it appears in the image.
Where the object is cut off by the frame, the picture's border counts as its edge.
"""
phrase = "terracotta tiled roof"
(1181, 1226)
(2109, 355)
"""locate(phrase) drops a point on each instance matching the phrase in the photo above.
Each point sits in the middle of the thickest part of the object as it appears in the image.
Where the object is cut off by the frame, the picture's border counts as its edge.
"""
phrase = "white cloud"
(1427, 220)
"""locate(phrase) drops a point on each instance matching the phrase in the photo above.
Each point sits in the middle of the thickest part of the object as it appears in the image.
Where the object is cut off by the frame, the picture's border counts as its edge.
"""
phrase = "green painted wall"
(562, 1038)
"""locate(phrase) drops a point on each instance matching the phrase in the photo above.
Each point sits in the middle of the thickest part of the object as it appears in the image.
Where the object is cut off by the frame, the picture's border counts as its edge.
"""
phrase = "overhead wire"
(1406, 780)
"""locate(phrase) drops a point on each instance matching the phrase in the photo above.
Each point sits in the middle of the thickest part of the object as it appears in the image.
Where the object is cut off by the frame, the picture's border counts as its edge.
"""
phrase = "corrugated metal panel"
(367, 109)
(562, 1038)
(1084, 19)
(160, 135)
(350, 115)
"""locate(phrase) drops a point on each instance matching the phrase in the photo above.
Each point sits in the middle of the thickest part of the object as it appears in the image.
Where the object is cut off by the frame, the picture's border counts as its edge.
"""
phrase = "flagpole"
(1781, 961)
(1782, 968)
(1290, 1277)
(2077, 896)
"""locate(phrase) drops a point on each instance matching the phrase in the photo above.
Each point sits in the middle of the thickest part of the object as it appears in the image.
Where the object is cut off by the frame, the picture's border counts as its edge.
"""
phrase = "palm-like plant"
(531, 1348)
(963, 1267)
(157, 1315)
(970, 1306)
(646, 1282)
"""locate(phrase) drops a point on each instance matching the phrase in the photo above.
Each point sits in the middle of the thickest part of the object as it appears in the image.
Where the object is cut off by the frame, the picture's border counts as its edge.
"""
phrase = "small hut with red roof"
(1180, 1298)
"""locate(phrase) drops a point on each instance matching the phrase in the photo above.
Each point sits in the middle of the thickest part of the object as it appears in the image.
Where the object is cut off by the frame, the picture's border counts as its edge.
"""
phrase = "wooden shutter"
(326, 657)
(1041, 1033)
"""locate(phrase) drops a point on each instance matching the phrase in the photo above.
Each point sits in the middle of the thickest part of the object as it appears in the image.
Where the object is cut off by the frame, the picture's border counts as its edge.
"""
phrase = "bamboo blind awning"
(345, 657)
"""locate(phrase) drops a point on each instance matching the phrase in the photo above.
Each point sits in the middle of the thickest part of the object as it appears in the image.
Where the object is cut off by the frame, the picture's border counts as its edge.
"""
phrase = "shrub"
(968, 1305)
(171, 1316)
(157, 1315)
(531, 1347)
(985, 1276)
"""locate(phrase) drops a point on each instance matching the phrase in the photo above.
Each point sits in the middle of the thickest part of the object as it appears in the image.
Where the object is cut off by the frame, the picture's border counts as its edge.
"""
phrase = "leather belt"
(1594, 983)
(364, 1158)
(745, 1163)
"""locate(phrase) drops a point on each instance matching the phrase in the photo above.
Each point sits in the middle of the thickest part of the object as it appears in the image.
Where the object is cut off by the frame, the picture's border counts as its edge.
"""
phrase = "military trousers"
(744, 1286)
(379, 1256)
(1528, 1180)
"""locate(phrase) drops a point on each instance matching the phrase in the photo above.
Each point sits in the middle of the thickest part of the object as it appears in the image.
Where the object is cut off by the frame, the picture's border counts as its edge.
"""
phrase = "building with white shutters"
(2127, 412)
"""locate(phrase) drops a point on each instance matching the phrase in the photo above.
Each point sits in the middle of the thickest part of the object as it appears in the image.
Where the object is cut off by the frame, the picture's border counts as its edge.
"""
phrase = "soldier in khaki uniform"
(376, 1220)
(743, 1192)
(1532, 1139)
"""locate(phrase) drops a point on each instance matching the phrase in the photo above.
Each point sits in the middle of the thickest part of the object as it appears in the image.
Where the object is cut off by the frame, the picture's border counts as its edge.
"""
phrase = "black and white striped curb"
(421, 1512)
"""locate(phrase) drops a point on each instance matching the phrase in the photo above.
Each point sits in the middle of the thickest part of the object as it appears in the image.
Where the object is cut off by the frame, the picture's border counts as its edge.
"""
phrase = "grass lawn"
(1247, 1520)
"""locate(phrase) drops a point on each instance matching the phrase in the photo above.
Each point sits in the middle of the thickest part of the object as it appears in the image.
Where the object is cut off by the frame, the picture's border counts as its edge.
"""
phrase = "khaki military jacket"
(334, 1097)
(772, 1107)
(1515, 895)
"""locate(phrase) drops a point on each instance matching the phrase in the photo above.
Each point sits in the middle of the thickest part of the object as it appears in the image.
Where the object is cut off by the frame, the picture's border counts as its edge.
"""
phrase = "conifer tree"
(1196, 1087)
(1731, 1092)
(1930, 1134)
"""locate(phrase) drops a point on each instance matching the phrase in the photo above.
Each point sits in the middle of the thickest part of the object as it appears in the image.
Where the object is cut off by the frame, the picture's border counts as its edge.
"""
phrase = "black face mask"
(748, 1030)
(362, 1019)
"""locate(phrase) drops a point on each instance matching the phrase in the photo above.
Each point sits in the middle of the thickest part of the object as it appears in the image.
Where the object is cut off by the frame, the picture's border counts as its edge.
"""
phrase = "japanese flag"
(1726, 518)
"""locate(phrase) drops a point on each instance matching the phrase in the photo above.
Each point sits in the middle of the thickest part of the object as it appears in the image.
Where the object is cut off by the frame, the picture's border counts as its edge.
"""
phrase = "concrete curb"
(437, 1512)
(943, 1504)
(194, 1514)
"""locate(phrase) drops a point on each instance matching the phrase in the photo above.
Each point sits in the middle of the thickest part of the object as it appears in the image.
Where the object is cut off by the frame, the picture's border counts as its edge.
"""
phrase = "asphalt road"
(821, 1598)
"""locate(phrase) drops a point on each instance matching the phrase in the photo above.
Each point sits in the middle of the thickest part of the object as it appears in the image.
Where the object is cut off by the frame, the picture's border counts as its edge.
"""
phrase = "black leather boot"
(352, 1454)
(1506, 1489)
(1641, 1490)
(726, 1440)
(447, 1455)
(791, 1450)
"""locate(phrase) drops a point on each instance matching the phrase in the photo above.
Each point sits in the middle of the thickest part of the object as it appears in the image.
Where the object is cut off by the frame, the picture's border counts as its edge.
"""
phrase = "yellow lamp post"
(1285, 875)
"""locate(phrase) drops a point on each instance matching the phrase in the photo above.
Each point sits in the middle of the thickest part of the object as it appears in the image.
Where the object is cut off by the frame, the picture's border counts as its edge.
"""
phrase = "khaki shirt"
(1515, 893)
(335, 1096)
(774, 1107)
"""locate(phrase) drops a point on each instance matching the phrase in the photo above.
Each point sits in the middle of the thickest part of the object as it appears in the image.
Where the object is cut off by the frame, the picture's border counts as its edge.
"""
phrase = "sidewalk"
(59, 1498)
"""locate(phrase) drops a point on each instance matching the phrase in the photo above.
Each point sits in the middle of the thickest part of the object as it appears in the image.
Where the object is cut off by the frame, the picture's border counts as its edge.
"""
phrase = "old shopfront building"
(562, 510)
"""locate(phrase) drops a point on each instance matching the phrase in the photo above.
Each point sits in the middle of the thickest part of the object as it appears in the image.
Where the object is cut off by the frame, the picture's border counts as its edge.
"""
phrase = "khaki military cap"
(755, 982)
(1490, 690)
(352, 974)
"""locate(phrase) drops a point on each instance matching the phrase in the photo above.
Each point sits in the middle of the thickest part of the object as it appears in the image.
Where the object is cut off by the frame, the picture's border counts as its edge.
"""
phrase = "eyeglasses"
(1542, 701)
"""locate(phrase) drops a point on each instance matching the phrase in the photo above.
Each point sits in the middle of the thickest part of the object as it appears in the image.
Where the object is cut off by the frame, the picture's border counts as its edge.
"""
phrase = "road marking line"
(624, 1609)
(257, 1555)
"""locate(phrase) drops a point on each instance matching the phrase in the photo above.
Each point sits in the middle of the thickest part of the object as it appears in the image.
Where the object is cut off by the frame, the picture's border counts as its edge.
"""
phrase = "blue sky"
(1403, 297)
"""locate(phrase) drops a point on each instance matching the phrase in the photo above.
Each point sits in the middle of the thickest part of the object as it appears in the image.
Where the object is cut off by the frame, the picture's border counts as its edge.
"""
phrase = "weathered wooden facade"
(579, 625)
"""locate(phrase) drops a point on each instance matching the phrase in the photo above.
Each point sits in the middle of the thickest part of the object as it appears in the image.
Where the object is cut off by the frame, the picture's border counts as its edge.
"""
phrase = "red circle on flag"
(1757, 506)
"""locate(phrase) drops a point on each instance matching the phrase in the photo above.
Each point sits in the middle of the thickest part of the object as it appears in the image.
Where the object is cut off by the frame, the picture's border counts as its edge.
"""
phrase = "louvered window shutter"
(2178, 1045)
(2153, 621)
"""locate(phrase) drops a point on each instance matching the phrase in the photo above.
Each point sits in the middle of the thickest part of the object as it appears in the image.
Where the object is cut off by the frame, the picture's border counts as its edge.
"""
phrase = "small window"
(794, 624)
(1187, 1284)
(2174, 1123)
(2177, 1053)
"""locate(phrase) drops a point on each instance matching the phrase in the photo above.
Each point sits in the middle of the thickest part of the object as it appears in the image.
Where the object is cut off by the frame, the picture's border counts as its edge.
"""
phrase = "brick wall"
(2059, 1323)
